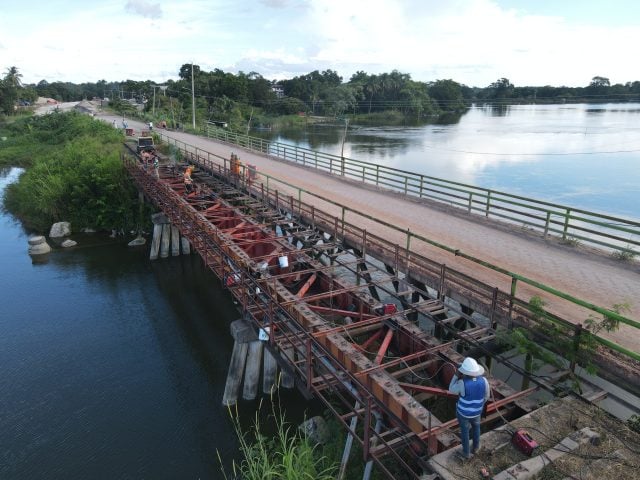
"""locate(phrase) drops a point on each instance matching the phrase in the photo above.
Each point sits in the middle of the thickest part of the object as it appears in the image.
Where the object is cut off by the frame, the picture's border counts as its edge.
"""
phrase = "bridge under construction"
(369, 327)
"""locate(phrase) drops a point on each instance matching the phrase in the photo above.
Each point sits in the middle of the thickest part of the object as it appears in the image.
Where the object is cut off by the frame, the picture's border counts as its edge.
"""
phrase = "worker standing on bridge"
(188, 181)
(473, 390)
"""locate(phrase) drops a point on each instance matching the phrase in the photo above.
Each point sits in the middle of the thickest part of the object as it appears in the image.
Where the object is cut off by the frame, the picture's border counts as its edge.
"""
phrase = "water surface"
(582, 155)
(113, 366)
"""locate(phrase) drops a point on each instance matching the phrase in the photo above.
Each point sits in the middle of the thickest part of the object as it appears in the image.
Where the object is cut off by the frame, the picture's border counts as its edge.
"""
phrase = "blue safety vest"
(471, 404)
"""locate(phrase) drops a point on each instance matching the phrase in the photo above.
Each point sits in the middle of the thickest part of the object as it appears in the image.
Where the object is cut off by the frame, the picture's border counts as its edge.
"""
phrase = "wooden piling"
(289, 356)
(186, 246)
(243, 334)
(175, 241)
(270, 368)
(234, 376)
(165, 240)
(252, 371)
(155, 243)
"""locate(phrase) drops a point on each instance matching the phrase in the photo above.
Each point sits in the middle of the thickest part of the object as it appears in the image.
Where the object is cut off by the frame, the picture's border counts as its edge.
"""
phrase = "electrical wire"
(541, 154)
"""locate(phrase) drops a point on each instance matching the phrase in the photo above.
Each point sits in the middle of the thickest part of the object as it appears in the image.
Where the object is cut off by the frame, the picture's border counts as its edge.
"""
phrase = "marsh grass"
(288, 454)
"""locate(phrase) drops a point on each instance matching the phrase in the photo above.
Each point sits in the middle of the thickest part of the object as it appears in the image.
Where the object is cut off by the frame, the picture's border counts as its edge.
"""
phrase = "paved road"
(598, 279)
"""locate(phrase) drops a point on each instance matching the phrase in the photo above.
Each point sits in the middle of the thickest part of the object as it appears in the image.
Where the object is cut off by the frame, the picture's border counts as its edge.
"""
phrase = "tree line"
(237, 97)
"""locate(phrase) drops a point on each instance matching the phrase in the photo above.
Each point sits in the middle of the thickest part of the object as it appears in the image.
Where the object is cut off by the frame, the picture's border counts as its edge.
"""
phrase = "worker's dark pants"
(465, 425)
(188, 187)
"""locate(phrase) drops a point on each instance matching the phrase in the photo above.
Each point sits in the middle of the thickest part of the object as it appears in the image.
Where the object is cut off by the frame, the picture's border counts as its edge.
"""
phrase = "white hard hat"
(470, 367)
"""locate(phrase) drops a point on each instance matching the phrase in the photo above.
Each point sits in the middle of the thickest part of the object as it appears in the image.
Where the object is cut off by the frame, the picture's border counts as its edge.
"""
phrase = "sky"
(474, 42)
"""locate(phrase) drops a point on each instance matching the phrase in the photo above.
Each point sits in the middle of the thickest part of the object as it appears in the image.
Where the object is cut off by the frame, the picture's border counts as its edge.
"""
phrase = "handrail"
(569, 223)
(226, 164)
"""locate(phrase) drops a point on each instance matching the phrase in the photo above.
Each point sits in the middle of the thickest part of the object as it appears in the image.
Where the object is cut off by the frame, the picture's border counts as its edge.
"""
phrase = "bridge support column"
(175, 241)
(270, 369)
(165, 240)
(186, 246)
(252, 372)
(287, 378)
(243, 334)
(165, 237)
(246, 360)
(155, 243)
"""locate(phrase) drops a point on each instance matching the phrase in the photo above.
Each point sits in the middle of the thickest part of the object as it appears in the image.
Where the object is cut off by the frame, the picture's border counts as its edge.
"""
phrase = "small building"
(278, 90)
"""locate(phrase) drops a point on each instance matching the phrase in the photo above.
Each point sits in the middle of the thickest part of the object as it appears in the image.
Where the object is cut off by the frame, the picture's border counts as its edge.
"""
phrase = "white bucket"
(283, 261)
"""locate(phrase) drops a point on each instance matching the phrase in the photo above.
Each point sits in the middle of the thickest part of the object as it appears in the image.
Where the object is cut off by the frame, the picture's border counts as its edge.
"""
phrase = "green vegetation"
(13, 95)
(287, 454)
(625, 255)
(550, 342)
(246, 100)
(634, 423)
(74, 173)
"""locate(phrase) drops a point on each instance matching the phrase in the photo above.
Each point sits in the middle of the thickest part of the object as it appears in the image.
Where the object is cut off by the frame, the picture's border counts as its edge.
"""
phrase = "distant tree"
(287, 106)
(599, 82)
(259, 89)
(13, 77)
(501, 89)
(599, 86)
(339, 99)
(448, 95)
(10, 86)
(185, 71)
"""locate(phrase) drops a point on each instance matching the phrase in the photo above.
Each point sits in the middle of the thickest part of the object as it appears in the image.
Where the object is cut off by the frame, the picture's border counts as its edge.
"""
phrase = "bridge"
(371, 326)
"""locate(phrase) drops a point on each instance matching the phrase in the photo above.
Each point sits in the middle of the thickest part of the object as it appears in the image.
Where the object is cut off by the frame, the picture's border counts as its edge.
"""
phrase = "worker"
(473, 391)
(150, 126)
(146, 158)
(188, 181)
(156, 166)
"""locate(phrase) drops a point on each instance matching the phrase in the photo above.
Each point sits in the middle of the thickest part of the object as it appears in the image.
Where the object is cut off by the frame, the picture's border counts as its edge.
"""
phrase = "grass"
(288, 454)
(625, 255)
(571, 241)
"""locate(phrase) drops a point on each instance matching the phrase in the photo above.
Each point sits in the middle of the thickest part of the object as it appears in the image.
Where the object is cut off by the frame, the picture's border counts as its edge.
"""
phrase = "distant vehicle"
(145, 144)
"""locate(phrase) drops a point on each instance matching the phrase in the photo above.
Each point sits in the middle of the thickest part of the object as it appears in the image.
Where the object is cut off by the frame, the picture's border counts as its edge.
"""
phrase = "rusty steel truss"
(362, 324)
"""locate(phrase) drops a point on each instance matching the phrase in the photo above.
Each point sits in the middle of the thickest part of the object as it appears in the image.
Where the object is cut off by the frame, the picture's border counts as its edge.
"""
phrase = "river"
(581, 155)
(113, 366)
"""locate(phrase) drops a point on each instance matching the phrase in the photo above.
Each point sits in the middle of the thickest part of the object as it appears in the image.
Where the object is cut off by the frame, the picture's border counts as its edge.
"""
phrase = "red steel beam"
(441, 392)
(383, 348)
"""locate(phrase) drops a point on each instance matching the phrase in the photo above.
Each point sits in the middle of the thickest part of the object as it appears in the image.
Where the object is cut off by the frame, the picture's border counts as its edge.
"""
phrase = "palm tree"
(372, 87)
(13, 77)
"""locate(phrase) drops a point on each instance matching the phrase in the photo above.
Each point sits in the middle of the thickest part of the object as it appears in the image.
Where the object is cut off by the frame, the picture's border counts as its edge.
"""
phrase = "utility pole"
(344, 137)
(154, 100)
(193, 99)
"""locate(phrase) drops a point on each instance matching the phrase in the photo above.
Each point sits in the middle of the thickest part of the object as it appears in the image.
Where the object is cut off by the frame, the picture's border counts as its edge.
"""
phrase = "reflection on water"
(587, 156)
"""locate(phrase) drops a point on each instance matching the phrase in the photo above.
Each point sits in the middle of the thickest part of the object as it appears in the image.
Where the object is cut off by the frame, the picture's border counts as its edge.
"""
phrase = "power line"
(529, 154)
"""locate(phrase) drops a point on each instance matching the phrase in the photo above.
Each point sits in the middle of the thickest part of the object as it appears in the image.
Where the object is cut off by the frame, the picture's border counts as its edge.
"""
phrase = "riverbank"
(73, 173)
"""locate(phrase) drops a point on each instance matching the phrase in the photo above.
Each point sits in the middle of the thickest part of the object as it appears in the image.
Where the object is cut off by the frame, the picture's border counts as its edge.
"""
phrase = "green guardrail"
(208, 159)
(571, 224)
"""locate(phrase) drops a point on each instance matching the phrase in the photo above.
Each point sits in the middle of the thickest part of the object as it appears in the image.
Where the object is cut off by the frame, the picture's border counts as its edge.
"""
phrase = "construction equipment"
(145, 144)
(524, 442)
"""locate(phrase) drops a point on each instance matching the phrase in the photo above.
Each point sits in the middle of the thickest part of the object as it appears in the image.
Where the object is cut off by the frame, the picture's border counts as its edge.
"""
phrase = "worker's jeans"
(465, 425)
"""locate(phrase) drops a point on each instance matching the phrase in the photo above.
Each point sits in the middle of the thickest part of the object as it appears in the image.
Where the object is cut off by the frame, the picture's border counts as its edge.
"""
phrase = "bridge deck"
(590, 276)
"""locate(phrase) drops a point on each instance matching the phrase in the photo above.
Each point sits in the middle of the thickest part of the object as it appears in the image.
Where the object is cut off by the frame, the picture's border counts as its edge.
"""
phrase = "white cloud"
(144, 8)
(471, 41)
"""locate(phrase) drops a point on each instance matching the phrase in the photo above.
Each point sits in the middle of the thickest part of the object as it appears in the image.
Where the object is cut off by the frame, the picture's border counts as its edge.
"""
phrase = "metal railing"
(219, 163)
(572, 225)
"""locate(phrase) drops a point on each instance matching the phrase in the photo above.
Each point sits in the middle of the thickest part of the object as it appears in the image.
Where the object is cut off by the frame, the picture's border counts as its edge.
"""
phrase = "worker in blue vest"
(473, 390)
